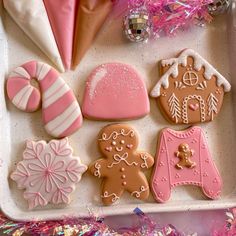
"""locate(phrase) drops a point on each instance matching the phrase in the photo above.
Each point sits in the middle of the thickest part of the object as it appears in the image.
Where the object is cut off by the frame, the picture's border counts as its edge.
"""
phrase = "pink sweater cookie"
(183, 158)
(60, 110)
(115, 91)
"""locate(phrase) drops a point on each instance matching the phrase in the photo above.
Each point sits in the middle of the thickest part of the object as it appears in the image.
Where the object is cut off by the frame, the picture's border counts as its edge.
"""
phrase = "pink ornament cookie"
(60, 110)
(115, 91)
(183, 158)
(48, 172)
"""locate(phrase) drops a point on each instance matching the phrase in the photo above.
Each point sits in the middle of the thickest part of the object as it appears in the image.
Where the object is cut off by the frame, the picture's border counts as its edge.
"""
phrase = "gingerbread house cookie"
(190, 89)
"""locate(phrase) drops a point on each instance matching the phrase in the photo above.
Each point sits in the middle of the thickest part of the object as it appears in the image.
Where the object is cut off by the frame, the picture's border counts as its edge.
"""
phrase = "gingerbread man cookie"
(184, 154)
(122, 166)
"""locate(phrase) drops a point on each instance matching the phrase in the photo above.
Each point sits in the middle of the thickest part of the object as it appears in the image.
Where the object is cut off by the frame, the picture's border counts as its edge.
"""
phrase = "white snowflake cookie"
(48, 172)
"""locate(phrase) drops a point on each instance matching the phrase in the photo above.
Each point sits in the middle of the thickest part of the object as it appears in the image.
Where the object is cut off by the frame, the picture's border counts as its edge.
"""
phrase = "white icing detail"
(199, 62)
(185, 108)
(54, 88)
(22, 97)
(212, 103)
(106, 195)
(20, 72)
(114, 135)
(42, 70)
(144, 157)
(190, 78)
(119, 149)
(95, 80)
(202, 86)
(174, 106)
(54, 97)
(97, 173)
(62, 122)
(179, 85)
(119, 158)
(137, 194)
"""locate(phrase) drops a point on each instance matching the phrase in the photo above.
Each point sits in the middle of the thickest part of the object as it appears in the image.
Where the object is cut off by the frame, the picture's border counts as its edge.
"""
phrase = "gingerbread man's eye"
(122, 141)
(113, 143)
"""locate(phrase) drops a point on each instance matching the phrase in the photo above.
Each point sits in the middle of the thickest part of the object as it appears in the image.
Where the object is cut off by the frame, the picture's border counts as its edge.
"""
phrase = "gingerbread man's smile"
(119, 149)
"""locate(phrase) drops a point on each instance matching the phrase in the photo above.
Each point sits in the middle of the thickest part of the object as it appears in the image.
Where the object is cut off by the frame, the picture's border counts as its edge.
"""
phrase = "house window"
(190, 78)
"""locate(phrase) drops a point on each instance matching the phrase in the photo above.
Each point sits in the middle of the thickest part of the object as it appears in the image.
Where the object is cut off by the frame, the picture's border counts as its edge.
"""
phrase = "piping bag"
(91, 15)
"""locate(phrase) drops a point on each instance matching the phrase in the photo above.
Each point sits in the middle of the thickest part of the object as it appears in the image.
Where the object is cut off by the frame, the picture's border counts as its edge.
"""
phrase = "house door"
(193, 109)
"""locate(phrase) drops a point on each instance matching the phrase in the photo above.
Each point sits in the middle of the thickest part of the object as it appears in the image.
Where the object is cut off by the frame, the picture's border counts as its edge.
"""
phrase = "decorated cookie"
(183, 158)
(60, 110)
(190, 89)
(48, 172)
(115, 91)
(122, 164)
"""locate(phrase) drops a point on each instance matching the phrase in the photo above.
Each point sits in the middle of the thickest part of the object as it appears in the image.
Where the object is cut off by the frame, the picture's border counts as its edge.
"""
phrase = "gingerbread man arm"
(177, 154)
(99, 168)
(192, 152)
(145, 160)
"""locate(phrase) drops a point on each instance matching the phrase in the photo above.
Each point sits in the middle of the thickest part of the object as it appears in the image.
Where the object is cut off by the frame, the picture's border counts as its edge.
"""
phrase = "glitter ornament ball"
(137, 26)
(219, 6)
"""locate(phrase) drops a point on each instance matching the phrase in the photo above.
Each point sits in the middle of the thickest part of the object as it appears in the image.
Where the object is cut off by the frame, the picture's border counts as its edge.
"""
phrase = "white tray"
(15, 126)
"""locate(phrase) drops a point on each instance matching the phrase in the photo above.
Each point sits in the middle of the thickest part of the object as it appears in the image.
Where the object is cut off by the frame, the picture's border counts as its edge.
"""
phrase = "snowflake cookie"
(48, 172)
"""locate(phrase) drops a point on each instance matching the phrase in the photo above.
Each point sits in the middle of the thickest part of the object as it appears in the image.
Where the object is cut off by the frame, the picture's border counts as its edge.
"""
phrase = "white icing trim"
(119, 159)
(114, 135)
(199, 62)
(137, 194)
(97, 172)
(144, 157)
(113, 195)
(20, 72)
(42, 70)
(212, 103)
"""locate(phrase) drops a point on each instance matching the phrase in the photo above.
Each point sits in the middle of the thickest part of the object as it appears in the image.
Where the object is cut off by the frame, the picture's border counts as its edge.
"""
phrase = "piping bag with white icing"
(32, 18)
(90, 18)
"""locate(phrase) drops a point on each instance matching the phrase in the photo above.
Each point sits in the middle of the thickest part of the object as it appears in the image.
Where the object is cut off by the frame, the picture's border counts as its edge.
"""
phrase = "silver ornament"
(219, 6)
(137, 25)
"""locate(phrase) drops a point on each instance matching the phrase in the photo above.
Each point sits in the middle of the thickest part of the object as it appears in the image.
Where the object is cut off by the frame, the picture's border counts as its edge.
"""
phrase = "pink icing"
(61, 15)
(48, 172)
(115, 91)
(166, 175)
(60, 110)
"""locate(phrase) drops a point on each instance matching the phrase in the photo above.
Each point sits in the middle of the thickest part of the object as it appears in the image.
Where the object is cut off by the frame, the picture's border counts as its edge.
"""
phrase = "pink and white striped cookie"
(60, 110)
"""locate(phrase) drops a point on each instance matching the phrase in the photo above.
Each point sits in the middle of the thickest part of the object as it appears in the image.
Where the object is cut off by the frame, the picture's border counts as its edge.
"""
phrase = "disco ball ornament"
(137, 25)
(219, 6)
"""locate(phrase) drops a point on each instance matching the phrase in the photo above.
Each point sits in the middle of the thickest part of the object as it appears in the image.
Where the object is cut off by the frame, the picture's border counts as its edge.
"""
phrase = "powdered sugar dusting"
(100, 74)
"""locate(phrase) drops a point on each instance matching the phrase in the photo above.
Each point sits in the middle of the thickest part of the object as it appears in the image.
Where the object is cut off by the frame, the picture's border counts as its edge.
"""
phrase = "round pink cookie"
(115, 91)
(61, 111)
(48, 172)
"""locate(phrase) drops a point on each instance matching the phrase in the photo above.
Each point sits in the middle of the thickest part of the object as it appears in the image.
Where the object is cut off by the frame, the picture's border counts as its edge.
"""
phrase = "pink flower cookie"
(183, 158)
(48, 172)
(115, 91)
(61, 111)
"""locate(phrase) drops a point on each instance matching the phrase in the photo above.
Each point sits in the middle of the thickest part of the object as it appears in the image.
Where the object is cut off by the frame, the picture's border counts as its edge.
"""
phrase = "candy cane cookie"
(61, 112)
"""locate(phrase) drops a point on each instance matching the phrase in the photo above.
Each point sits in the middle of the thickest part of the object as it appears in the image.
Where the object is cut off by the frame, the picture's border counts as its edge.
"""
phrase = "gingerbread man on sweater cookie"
(122, 165)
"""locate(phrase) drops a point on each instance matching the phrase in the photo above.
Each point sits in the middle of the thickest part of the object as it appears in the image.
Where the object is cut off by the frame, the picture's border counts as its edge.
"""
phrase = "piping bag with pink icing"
(62, 16)
(60, 110)
(115, 91)
(183, 158)
(31, 16)
(48, 172)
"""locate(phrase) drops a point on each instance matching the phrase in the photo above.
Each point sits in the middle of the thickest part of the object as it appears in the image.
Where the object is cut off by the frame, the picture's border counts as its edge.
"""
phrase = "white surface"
(15, 126)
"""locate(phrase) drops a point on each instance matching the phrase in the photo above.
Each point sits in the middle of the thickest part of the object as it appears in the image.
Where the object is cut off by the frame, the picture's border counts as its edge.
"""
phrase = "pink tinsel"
(169, 16)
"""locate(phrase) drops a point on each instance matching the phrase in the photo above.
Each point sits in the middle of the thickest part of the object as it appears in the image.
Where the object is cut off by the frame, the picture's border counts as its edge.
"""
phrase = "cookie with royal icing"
(48, 172)
(190, 89)
(183, 158)
(60, 109)
(115, 91)
(122, 165)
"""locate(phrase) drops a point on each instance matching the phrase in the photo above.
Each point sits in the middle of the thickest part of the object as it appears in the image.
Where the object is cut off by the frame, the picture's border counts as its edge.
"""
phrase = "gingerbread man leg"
(111, 192)
(140, 188)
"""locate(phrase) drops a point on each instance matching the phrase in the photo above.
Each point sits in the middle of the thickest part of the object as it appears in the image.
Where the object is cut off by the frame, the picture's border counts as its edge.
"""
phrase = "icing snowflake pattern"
(48, 172)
